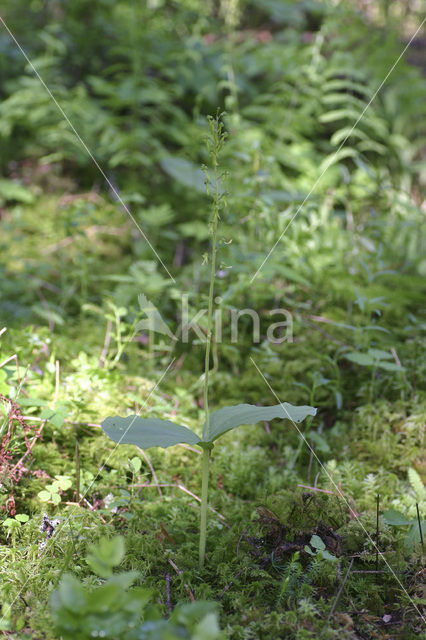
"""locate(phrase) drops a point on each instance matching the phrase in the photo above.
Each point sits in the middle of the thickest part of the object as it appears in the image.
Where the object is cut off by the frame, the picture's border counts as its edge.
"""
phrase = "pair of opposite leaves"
(154, 432)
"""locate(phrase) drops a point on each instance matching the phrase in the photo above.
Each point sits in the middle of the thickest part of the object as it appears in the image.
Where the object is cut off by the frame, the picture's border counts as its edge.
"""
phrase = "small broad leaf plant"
(154, 432)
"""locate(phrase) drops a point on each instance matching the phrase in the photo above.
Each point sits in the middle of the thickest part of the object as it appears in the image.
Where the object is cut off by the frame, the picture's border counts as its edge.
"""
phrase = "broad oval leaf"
(389, 366)
(229, 418)
(147, 432)
(364, 359)
(379, 354)
(396, 518)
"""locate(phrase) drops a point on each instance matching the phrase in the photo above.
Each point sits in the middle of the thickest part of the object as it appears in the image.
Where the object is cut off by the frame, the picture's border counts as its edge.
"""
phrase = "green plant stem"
(211, 294)
(205, 463)
(206, 434)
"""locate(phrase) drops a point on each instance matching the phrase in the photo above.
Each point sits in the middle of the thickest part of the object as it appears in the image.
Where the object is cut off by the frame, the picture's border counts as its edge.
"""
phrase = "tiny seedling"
(12, 525)
(154, 432)
(52, 492)
(317, 547)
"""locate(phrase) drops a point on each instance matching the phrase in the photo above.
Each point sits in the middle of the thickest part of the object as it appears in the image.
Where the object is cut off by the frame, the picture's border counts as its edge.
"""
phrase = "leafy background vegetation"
(137, 80)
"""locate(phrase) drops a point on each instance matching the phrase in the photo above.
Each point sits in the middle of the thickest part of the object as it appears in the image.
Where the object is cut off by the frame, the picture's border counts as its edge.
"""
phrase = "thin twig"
(230, 584)
(316, 480)
(154, 475)
(420, 527)
(336, 599)
(305, 486)
(237, 550)
(179, 572)
(395, 356)
(186, 446)
(370, 571)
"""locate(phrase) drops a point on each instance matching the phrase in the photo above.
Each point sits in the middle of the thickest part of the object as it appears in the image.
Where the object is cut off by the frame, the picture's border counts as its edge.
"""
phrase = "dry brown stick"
(230, 584)
(305, 486)
(186, 446)
(395, 356)
(369, 571)
(179, 572)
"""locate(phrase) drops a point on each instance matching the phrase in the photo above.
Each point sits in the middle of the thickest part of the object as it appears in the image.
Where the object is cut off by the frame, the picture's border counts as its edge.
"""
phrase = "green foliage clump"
(117, 610)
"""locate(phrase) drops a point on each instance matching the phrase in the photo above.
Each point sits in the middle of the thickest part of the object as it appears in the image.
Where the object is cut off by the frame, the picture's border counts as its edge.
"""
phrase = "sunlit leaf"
(229, 418)
(44, 496)
(147, 432)
(22, 517)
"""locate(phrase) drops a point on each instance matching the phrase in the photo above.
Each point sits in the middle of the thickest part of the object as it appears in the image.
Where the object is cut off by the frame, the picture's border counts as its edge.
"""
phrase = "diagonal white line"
(86, 148)
(62, 525)
(339, 491)
(333, 157)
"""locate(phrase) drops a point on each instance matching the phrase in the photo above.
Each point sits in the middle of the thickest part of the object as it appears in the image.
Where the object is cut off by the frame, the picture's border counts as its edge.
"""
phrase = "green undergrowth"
(256, 566)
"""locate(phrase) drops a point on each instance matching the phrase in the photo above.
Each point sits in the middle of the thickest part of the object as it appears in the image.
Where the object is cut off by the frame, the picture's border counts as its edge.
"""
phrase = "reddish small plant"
(9, 468)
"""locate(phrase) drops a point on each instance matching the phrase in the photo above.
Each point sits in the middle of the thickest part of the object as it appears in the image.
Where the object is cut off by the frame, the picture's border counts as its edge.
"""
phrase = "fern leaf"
(417, 484)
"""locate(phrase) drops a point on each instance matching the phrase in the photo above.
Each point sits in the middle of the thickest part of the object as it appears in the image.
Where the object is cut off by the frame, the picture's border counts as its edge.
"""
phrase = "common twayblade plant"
(154, 432)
